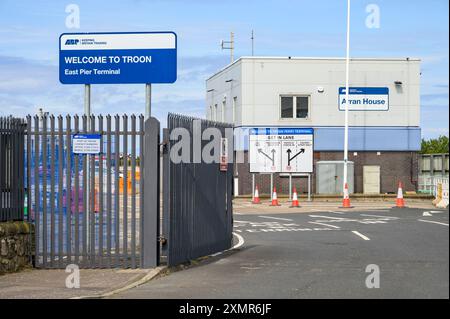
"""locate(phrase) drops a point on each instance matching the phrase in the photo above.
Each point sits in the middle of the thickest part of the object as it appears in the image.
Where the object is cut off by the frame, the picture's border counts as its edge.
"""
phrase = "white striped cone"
(256, 197)
(295, 202)
(400, 202)
(346, 200)
(346, 196)
(274, 198)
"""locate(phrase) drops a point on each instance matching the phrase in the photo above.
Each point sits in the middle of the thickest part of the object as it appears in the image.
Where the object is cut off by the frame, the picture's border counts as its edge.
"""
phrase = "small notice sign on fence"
(86, 143)
(223, 154)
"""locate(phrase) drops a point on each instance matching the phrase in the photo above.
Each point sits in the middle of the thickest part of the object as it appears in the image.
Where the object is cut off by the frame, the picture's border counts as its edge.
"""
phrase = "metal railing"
(12, 193)
(197, 196)
(107, 232)
(428, 184)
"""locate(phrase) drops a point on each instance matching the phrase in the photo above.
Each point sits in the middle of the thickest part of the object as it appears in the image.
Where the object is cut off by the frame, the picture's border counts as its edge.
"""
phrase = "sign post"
(118, 58)
(347, 66)
(87, 113)
(148, 100)
(114, 58)
(290, 186)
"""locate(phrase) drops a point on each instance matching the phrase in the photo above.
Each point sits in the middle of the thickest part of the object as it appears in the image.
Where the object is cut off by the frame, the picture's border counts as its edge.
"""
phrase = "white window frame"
(294, 107)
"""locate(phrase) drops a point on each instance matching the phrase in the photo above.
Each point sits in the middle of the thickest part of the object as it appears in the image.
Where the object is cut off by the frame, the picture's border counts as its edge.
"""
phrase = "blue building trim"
(406, 139)
(368, 139)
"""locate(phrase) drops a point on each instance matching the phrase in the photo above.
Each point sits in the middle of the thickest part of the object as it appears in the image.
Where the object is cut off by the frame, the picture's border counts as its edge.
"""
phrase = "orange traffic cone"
(346, 200)
(400, 202)
(295, 202)
(274, 198)
(256, 197)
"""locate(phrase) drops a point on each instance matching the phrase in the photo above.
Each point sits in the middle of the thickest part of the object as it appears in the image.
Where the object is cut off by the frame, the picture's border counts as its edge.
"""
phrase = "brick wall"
(394, 166)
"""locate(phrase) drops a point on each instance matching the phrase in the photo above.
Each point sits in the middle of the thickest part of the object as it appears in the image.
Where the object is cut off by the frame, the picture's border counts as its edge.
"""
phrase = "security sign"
(281, 150)
(86, 143)
(223, 154)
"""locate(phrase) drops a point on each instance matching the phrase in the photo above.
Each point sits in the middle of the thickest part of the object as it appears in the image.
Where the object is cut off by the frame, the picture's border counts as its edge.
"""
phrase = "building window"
(210, 112)
(302, 106)
(215, 112)
(286, 107)
(301, 109)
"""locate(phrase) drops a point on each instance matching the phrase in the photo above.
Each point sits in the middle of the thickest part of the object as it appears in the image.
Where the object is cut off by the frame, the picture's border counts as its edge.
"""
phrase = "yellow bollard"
(438, 195)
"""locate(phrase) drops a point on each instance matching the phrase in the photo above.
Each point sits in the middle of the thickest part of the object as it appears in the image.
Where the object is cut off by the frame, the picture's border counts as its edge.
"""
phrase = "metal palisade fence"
(197, 196)
(12, 133)
(88, 209)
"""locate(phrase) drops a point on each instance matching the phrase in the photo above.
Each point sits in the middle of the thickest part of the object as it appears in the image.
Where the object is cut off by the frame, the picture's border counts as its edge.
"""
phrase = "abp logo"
(72, 41)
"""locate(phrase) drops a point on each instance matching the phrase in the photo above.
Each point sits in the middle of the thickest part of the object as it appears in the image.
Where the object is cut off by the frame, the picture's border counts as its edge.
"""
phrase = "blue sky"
(29, 32)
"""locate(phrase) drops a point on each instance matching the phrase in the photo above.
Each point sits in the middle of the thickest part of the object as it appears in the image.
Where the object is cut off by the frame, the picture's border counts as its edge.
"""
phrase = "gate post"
(165, 191)
(150, 214)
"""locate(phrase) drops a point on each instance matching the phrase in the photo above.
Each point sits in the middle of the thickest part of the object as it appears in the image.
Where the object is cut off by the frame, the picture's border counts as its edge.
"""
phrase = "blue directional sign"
(113, 58)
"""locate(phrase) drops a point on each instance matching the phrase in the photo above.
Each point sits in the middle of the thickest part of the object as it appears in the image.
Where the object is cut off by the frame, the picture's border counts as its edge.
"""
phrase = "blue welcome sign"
(114, 58)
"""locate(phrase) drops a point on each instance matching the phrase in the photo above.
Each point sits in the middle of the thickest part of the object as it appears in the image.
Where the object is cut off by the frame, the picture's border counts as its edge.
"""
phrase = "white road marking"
(325, 225)
(360, 235)
(318, 216)
(426, 214)
(240, 241)
(384, 217)
(328, 211)
(239, 244)
(431, 221)
(289, 220)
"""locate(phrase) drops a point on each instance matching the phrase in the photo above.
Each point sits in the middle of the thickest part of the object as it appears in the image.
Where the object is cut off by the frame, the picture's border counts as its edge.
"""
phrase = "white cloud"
(26, 85)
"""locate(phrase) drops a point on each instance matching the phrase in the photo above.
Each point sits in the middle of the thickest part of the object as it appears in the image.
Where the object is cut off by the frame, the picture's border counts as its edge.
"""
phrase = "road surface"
(323, 254)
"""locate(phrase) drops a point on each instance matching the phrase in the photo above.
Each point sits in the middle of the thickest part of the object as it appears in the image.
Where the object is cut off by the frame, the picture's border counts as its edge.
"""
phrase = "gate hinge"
(162, 240)
(164, 147)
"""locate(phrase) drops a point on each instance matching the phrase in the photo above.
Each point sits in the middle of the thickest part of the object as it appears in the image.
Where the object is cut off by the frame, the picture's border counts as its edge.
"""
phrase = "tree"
(435, 145)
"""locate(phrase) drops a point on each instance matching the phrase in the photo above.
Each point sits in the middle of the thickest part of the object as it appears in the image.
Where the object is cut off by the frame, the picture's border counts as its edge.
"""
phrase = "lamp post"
(347, 62)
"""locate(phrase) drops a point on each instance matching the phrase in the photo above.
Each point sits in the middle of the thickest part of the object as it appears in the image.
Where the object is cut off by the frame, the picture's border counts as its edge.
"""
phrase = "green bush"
(435, 145)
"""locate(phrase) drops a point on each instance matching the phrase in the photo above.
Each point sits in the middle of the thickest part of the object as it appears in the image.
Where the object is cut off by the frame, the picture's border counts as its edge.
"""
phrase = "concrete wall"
(259, 81)
(16, 246)
(222, 89)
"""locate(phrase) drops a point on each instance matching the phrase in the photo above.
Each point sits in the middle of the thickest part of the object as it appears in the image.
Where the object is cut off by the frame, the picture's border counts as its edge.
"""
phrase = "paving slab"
(51, 283)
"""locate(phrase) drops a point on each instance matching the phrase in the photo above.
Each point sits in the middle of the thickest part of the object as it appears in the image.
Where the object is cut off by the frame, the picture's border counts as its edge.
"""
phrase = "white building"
(305, 92)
